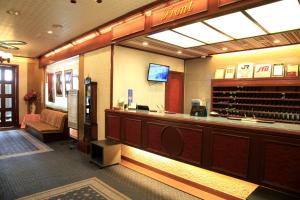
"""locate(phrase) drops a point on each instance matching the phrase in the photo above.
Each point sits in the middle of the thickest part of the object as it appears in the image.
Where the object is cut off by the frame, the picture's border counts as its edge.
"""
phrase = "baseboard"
(181, 183)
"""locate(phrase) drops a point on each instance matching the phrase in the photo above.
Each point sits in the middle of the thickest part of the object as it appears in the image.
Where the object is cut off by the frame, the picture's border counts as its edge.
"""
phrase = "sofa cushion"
(43, 127)
(53, 118)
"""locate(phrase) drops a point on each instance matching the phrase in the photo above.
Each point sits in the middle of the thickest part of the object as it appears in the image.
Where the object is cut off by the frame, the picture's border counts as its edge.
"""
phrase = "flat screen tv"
(158, 72)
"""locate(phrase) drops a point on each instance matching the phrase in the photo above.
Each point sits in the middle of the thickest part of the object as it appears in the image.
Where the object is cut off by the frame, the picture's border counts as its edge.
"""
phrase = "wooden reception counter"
(263, 153)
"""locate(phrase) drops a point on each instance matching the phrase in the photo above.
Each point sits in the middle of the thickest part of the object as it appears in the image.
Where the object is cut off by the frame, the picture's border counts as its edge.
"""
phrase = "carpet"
(92, 188)
(16, 143)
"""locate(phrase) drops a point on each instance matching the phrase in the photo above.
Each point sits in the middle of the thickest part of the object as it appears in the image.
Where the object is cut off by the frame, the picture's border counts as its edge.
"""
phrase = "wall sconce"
(5, 57)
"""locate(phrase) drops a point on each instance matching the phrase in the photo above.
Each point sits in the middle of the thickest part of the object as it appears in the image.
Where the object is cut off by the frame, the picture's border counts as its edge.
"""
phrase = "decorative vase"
(32, 108)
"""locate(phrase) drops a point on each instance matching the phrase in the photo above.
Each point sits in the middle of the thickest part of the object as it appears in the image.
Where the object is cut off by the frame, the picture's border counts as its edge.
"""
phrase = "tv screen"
(158, 72)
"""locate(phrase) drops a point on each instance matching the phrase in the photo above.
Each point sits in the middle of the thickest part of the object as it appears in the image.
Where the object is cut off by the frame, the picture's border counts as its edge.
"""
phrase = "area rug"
(14, 143)
(92, 188)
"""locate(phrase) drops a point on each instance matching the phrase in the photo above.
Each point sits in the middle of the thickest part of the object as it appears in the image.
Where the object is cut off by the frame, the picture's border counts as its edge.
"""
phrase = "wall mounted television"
(157, 72)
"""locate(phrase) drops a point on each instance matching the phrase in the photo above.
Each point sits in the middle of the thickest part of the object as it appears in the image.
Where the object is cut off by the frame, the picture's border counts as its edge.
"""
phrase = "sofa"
(52, 126)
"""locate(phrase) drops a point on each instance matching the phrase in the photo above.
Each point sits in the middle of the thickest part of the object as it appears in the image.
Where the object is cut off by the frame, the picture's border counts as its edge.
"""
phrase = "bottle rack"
(276, 99)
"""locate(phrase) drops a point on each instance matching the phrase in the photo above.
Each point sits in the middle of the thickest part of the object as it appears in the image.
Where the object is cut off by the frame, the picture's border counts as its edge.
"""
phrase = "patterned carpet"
(27, 175)
(19, 143)
(90, 189)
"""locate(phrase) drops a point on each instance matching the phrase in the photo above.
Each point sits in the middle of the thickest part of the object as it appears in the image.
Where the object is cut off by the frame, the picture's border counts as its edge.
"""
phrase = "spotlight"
(73, 1)
(99, 1)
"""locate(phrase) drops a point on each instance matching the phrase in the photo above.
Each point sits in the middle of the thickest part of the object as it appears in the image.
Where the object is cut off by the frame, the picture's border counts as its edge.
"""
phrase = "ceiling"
(37, 17)
(254, 28)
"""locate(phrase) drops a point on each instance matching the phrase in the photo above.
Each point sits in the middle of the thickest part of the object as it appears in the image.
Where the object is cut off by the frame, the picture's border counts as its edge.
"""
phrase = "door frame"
(16, 77)
(167, 89)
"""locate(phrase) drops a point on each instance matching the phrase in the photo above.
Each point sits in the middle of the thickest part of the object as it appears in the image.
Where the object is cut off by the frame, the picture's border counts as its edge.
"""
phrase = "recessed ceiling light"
(179, 52)
(203, 33)
(145, 43)
(224, 48)
(237, 25)
(276, 41)
(13, 12)
(176, 39)
(277, 17)
(49, 32)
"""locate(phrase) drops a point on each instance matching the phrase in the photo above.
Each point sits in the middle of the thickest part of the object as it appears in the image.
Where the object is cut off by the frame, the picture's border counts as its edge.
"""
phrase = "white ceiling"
(38, 16)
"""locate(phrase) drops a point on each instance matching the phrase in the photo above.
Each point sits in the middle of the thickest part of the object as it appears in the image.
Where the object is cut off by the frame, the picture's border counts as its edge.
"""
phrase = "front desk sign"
(177, 11)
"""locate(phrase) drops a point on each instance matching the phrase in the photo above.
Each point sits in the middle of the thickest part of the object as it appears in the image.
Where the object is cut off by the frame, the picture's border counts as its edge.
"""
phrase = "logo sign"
(262, 70)
(245, 71)
(178, 10)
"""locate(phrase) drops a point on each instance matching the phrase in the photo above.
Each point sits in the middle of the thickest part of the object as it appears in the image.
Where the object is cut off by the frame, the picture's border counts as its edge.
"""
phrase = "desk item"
(153, 110)
(132, 106)
(197, 109)
(105, 153)
(169, 112)
(30, 118)
(130, 96)
(142, 107)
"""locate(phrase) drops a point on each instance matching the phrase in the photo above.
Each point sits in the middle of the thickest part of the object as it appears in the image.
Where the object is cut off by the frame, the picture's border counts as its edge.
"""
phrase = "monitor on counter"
(158, 72)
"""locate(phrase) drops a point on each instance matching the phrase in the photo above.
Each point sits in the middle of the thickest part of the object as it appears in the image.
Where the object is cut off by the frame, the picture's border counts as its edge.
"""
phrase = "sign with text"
(262, 71)
(178, 10)
(245, 70)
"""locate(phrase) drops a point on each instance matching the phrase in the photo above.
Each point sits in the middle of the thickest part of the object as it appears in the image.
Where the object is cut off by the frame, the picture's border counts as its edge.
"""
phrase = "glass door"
(8, 104)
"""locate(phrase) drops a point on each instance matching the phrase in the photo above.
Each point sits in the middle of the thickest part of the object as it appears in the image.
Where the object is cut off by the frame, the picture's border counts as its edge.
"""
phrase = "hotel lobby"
(152, 99)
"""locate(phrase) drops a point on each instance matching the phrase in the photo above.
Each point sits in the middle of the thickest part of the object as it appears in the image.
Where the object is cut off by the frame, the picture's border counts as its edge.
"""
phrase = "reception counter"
(263, 153)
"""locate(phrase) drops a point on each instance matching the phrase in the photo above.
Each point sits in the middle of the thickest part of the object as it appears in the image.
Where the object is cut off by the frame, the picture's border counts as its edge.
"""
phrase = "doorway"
(174, 93)
(9, 109)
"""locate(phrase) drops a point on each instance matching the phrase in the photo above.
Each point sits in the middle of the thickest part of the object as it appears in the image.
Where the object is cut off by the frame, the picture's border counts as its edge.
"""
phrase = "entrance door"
(174, 92)
(9, 112)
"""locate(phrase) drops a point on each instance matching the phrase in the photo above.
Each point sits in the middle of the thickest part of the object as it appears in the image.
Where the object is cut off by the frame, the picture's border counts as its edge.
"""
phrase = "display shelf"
(271, 99)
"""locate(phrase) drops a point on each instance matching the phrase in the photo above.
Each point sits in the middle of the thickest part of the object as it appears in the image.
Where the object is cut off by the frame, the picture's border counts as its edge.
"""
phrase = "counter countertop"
(221, 121)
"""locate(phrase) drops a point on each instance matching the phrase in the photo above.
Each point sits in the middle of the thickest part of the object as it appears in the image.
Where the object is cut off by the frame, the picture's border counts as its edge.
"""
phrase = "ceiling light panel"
(203, 33)
(236, 25)
(277, 17)
(176, 39)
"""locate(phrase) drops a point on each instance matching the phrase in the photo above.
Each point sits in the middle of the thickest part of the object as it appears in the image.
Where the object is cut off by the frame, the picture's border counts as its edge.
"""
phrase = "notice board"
(73, 109)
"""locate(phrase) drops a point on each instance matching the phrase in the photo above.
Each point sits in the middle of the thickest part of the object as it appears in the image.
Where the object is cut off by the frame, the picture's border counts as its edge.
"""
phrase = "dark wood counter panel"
(266, 154)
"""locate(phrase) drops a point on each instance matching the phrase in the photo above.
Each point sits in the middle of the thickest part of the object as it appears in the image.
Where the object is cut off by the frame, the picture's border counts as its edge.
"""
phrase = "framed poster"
(68, 81)
(262, 71)
(219, 74)
(230, 71)
(278, 70)
(59, 84)
(292, 71)
(51, 88)
(245, 70)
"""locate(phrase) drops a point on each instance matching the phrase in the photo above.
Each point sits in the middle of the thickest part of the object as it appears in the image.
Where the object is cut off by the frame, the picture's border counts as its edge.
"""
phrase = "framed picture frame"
(51, 87)
(230, 72)
(292, 71)
(219, 73)
(262, 71)
(68, 81)
(277, 70)
(245, 70)
(59, 84)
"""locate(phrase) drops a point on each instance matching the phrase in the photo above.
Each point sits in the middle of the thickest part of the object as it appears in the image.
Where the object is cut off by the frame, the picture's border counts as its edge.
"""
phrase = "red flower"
(31, 97)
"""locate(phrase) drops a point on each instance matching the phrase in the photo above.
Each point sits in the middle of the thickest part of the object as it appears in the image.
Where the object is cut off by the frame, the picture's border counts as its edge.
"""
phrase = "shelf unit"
(276, 99)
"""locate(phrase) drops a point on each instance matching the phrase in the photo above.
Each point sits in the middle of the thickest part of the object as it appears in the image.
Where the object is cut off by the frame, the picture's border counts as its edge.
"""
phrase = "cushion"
(43, 127)
(53, 118)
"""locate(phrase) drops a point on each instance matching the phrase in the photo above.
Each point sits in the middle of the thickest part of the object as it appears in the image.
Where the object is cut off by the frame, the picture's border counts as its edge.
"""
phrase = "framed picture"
(278, 70)
(68, 81)
(51, 88)
(262, 71)
(59, 84)
(219, 74)
(292, 70)
(230, 72)
(245, 70)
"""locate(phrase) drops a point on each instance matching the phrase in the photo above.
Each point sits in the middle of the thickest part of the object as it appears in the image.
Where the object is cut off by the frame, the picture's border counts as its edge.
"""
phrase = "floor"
(25, 175)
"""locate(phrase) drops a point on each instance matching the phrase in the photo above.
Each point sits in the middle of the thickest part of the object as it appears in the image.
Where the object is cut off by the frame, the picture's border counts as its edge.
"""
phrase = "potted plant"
(31, 98)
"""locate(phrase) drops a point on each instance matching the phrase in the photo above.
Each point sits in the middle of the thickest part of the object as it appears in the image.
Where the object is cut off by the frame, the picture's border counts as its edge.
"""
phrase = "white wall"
(130, 72)
(97, 65)
(67, 64)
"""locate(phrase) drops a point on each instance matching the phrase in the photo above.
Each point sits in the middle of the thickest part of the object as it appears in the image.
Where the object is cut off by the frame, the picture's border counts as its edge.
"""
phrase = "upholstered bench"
(52, 126)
